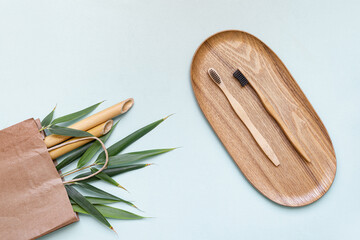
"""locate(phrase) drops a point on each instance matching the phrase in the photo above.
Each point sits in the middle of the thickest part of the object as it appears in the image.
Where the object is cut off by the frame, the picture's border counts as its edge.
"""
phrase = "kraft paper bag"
(33, 200)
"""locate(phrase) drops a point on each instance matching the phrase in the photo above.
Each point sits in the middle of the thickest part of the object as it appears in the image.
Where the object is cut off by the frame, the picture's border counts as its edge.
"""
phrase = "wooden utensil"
(294, 182)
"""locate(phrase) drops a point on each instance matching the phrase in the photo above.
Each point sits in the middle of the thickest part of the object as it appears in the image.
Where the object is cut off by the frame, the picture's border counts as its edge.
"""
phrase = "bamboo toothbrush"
(269, 108)
(264, 145)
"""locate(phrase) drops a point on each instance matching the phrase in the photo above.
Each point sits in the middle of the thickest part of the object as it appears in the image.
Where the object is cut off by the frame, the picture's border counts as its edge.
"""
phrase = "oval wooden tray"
(295, 182)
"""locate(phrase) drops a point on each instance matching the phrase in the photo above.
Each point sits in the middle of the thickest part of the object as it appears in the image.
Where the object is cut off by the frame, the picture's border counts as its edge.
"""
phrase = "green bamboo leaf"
(73, 155)
(123, 169)
(94, 148)
(47, 120)
(125, 142)
(96, 200)
(96, 190)
(64, 131)
(132, 157)
(81, 201)
(110, 212)
(102, 193)
(103, 176)
(76, 115)
(114, 171)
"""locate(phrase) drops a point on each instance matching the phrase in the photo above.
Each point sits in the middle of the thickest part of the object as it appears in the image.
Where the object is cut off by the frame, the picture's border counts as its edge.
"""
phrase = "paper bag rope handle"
(81, 139)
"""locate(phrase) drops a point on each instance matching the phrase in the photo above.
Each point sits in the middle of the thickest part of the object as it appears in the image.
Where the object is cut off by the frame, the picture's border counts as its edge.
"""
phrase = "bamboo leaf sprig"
(119, 163)
(82, 202)
(51, 125)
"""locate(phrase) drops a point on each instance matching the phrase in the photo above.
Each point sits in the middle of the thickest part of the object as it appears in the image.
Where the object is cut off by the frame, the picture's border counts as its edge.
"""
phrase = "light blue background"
(78, 52)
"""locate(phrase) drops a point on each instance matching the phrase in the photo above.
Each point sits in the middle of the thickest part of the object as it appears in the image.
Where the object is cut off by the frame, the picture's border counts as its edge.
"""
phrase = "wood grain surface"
(295, 182)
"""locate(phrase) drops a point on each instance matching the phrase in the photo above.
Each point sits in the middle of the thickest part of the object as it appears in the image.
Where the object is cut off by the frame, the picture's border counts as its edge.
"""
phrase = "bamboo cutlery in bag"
(263, 118)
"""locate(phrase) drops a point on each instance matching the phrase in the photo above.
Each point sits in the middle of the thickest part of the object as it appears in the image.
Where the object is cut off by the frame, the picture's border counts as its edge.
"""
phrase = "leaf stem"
(43, 128)
(76, 170)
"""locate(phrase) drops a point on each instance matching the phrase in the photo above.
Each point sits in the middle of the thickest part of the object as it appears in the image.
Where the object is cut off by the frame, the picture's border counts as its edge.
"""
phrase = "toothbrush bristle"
(239, 76)
(214, 75)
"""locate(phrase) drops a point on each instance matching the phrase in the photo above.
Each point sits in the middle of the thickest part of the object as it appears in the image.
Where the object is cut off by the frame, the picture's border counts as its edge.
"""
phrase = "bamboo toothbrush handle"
(261, 141)
(282, 124)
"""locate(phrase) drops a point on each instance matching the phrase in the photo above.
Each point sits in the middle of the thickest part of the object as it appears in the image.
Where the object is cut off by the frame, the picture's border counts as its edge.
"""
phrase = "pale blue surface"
(77, 52)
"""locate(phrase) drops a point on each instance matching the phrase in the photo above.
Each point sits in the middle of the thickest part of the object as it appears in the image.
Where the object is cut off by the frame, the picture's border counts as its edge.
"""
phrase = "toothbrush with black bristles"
(270, 109)
(239, 110)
